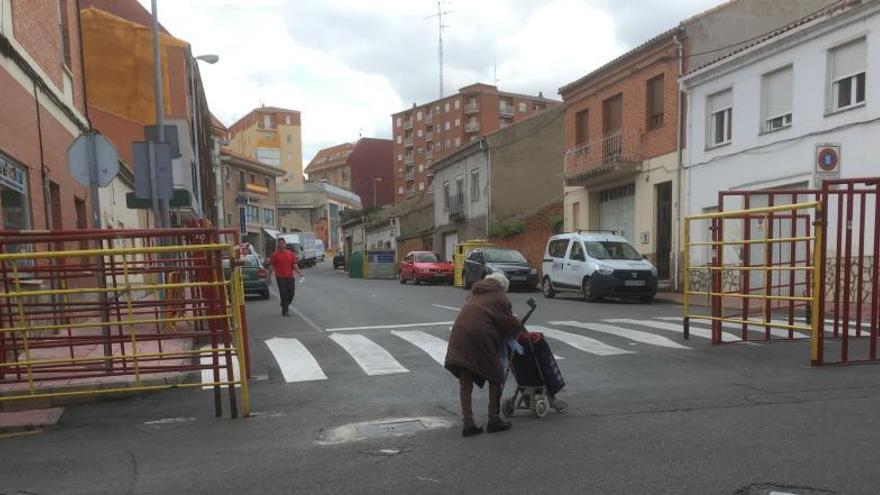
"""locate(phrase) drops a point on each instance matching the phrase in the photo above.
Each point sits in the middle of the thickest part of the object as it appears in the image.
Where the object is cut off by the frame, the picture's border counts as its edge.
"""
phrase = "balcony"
(456, 207)
(429, 117)
(471, 107)
(505, 111)
(409, 159)
(614, 157)
(408, 124)
(410, 174)
(429, 136)
(429, 155)
(472, 127)
(408, 142)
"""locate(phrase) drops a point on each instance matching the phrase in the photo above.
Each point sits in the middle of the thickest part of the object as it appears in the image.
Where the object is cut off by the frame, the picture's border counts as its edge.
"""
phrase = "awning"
(272, 233)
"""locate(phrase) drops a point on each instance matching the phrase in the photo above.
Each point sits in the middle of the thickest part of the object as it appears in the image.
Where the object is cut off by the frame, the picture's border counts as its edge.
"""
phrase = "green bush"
(556, 224)
(506, 230)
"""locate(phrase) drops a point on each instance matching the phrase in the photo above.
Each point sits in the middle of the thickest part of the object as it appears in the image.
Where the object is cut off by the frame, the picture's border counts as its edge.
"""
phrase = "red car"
(425, 266)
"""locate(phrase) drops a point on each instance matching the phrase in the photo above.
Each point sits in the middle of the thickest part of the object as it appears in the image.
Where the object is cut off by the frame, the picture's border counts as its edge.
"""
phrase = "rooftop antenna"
(260, 93)
(495, 70)
(439, 15)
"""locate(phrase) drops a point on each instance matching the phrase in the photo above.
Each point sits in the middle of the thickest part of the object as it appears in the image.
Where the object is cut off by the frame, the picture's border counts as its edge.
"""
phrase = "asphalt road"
(649, 411)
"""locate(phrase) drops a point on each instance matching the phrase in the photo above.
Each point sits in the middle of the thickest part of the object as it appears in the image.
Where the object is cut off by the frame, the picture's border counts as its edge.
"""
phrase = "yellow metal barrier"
(462, 250)
(110, 300)
(715, 267)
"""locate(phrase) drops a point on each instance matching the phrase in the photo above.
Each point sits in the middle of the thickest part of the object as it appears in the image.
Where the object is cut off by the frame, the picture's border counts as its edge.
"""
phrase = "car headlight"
(654, 271)
(604, 270)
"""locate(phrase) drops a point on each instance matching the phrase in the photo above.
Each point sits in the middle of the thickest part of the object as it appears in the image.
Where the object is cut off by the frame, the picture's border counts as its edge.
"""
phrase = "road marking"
(295, 361)
(208, 374)
(306, 319)
(585, 344)
(451, 308)
(672, 327)
(434, 346)
(388, 327)
(370, 356)
(635, 335)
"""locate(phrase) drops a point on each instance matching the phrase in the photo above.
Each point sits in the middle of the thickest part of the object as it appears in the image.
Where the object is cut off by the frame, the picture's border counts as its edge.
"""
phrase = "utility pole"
(440, 26)
(164, 210)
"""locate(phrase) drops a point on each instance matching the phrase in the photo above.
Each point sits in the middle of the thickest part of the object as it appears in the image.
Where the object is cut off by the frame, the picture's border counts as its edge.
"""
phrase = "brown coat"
(477, 333)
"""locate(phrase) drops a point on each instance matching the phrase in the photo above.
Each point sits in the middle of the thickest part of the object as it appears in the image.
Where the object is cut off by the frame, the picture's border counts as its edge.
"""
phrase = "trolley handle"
(532, 307)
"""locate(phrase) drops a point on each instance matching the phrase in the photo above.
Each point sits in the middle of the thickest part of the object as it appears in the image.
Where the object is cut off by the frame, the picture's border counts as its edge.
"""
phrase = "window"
(420, 133)
(253, 179)
(776, 99)
(576, 215)
(399, 156)
(287, 121)
(241, 180)
(654, 108)
(252, 213)
(65, 31)
(269, 216)
(400, 190)
(577, 252)
(522, 107)
(289, 137)
(720, 118)
(847, 64)
(457, 103)
(581, 127)
(457, 142)
(266, 182)
(421, 186)
(399, 123)
(445, 195)
(419, 116)
(475, 185)
(399, 139)
(557, 248)
(446, 125)
(267, 121)
(446, 107)
(457, 122)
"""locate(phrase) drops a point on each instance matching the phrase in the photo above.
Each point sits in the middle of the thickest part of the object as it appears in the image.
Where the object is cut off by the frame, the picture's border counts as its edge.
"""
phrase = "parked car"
(425, 266)
(254, 276)
(483, 261)
(339, 260)
(597, 264)
(319, 250)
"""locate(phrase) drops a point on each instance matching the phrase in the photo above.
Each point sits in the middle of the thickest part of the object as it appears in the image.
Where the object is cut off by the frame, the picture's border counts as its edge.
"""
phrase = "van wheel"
(588, 291)
(547, 288)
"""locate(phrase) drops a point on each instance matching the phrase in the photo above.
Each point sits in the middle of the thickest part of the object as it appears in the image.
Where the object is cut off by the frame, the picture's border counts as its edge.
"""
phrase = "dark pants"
(466, 388)
(286, 289)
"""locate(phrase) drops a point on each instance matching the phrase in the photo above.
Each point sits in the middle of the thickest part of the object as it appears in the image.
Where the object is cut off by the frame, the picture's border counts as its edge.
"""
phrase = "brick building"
(42, 110)
(425, 133)
(623, 121)
(249, 198)
(364, 167)
(273, 136)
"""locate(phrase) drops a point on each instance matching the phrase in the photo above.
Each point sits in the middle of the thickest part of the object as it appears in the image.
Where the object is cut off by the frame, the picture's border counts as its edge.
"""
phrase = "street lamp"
(209, 59)
(375, 180)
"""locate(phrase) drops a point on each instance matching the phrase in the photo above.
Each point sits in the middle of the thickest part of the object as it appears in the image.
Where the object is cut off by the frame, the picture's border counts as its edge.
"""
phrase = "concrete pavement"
(665, 416)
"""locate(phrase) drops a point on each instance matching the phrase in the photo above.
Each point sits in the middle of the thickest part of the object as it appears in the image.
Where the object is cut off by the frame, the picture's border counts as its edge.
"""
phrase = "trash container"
(462, 250)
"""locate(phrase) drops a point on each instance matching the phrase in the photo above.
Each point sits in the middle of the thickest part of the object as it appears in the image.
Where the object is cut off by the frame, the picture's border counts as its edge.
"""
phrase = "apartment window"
(720, 118)
(420, 133)
(287, 122)
(459, 188)
(267, 121)
(581, 127)
(266, 182)
(847, 64)
(65, 32)
(446, 107)
(445, 195)
(457, 103)
(421, 186)
(253, 179)
(446, 125)
(400, 190)
(457, 122)
(252, 213)
(241, 180)
(776, 100)
(289, 137)
(475, 185)
(448, 144)
(269, 216)
(457, 142)
(399, 123)
(576, 215)
(399, 157)
(14, 201)
(523, 108)
(654, 108)
(421, 167)
(419, 116)
(399, 139)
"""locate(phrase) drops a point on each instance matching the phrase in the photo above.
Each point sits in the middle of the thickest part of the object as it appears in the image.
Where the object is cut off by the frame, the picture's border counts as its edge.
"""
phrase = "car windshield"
(504, 256)
(612, 250)
(426, 258)
(250, 261)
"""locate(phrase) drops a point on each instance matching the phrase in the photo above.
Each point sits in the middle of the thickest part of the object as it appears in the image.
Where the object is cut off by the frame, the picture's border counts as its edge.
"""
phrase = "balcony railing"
(409, 159)
(456, 207)
(472, 107)
(472, 127)
(429, 136)
(408, 142)
(613, 156)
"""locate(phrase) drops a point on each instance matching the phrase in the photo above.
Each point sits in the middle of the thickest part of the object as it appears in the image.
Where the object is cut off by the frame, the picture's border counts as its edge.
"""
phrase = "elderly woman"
(477, 339)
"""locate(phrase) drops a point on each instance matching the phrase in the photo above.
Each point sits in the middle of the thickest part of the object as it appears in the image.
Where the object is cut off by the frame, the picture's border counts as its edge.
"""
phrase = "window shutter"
(720, 101)
(778, 88)
(848, 59)
(657, 95)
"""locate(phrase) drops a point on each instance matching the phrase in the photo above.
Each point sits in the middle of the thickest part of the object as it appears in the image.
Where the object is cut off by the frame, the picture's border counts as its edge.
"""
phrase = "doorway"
(663, 230)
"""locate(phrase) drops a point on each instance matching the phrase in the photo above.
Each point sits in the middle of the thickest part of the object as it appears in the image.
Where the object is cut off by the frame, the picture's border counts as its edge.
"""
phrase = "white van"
(597, 264)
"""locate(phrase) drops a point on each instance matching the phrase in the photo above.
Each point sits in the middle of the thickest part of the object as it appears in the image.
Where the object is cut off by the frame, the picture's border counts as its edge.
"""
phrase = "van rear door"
(554, 260)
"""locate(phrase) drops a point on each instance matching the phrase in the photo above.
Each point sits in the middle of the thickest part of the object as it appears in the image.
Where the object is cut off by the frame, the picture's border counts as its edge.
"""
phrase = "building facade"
(364, 167)
(761, 118)
(491, 188)
(273, 136)
(318, 207)
(426, 133)
(249, 198)
(624, 128)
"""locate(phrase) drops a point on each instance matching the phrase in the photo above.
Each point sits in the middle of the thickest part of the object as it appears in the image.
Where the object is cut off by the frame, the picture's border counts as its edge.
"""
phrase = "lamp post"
(375, 180)
(210, 59)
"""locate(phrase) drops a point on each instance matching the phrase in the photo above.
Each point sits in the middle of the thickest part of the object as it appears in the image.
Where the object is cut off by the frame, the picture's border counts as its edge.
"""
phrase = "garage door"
(449, 242)
(617, 211)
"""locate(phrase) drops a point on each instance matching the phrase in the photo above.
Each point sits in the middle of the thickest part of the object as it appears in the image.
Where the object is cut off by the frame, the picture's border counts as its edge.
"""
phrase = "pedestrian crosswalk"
(376, 350)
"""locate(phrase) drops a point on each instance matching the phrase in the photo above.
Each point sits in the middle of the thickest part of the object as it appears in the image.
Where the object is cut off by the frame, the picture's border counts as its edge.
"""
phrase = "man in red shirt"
(283, 262)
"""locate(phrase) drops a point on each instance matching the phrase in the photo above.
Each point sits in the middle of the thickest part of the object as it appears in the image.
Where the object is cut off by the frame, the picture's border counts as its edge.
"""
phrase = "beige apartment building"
(272, 136)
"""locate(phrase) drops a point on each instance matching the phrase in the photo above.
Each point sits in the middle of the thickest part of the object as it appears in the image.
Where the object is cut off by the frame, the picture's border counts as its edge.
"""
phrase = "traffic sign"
(143, 179)
(91, 148)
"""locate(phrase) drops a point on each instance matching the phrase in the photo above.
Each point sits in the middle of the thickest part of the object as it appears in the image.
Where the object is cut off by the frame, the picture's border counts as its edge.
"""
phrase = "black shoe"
(498, 425)
(469, 431)
(284, 312)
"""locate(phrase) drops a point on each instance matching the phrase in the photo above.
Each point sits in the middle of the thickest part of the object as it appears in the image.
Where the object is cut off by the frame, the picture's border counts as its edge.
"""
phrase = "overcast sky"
(347, 65)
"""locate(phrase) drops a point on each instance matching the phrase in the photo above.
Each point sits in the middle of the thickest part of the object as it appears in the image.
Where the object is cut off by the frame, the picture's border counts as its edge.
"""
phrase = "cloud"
(347, 65)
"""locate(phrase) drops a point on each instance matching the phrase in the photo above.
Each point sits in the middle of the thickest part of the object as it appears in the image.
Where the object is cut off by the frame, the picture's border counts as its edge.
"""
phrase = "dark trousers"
(466, 388)
(286, 289)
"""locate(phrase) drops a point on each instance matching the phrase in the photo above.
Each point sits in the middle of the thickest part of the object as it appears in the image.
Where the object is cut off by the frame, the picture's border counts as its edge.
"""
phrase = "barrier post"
(687, 276)
(818, 321)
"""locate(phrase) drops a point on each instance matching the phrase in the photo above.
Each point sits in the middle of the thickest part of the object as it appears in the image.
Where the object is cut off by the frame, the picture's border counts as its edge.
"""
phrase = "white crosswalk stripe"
(370, 356)
(704, 333)
(634, 335)
(586, 344)
(434, 346)
(296, 362)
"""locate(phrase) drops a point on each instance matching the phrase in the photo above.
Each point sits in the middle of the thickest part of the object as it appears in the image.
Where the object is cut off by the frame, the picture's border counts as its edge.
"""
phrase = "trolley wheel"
(508, 407)
(541, 407)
